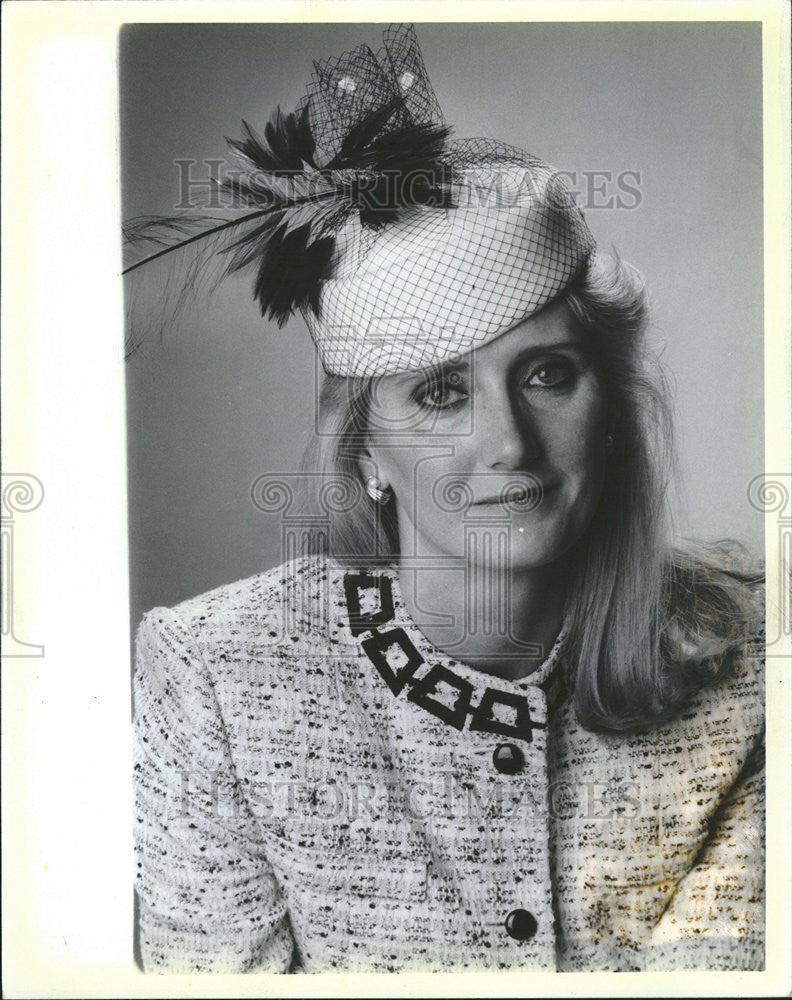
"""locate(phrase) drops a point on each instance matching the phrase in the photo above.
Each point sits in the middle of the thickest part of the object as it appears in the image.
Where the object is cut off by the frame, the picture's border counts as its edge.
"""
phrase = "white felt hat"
(440, 282)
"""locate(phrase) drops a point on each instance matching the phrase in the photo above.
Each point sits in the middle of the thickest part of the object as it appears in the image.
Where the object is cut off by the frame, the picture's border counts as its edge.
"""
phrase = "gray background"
(224, 396)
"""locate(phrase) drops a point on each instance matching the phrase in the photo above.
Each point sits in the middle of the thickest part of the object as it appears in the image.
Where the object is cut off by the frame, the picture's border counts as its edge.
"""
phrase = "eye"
(550, 375)
(442, 393)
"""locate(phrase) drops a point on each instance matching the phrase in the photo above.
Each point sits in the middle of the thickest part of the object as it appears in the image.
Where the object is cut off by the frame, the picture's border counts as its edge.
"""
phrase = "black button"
(508, 759)
(521, 925)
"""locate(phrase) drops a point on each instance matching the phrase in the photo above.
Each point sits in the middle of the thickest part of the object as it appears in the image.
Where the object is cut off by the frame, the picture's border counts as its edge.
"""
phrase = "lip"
(517, 495)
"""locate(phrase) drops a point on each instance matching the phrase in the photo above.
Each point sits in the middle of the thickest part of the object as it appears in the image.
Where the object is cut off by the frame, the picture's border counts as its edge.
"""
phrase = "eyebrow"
(446, 367)
(562, 345)
(434, 371)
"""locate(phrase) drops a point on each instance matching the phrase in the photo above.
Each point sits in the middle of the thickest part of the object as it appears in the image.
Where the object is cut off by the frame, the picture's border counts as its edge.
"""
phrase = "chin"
(506, 547)
(536, 545)
(527, 557)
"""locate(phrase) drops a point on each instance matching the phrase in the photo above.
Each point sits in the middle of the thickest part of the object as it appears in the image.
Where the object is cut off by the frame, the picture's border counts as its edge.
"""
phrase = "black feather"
(290, 139)
(252, 244)
(254, 149)
(407, 148)
(169, 233)
(302, 137)
(360, 136)
(385, 163)
(290, 272)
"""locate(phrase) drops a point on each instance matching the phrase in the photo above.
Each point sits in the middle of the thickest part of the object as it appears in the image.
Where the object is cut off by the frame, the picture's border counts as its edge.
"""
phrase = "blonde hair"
(649, 624)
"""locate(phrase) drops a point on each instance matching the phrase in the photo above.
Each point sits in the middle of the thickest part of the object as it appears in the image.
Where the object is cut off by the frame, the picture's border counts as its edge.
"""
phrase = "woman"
(495, 721)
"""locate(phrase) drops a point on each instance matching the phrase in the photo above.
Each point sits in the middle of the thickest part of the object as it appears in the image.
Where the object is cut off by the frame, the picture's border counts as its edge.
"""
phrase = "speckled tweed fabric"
(316, 790)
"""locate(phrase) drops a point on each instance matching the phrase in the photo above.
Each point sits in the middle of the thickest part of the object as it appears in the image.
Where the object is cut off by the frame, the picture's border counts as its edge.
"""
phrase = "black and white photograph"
(456, 531)
(452, 696)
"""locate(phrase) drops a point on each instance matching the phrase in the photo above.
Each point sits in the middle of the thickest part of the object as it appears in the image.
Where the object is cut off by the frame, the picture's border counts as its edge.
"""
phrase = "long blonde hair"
(649, 624)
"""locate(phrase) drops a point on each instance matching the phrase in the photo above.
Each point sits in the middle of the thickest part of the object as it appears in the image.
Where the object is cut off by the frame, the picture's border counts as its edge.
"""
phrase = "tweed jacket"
(318, 788)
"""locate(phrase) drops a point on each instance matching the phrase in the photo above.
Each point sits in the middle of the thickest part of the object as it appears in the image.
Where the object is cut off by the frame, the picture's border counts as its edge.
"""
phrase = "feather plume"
(289, 143)
(293, 207)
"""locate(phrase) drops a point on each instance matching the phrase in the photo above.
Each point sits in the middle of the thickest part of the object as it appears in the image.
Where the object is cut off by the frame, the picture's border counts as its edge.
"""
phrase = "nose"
(506, 436)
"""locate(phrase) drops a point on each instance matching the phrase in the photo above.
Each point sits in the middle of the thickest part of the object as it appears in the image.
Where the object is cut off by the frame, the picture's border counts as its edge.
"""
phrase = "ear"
(366, 464)
(369, 466)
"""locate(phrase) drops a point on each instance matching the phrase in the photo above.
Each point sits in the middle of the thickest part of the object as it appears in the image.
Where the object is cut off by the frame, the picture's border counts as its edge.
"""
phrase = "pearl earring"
(608, 440)
(375, 491)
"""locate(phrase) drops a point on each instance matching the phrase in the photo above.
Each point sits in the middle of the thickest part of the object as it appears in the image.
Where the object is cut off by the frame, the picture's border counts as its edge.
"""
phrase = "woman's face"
(499, 454)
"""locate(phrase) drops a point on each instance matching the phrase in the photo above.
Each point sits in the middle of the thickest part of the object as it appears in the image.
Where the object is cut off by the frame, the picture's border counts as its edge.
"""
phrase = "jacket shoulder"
(255, 593)
(290, 602)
